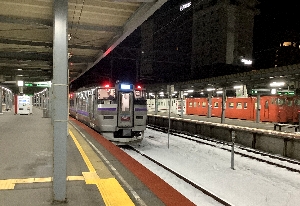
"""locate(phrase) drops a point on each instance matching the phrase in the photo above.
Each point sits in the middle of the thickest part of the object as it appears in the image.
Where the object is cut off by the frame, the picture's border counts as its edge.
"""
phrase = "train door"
(266, 109)
(90, 105)
(296, 109)
(125, 109)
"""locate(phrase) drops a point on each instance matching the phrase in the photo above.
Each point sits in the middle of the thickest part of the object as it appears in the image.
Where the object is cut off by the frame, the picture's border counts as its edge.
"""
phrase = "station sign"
(38, 84)
(268, 92)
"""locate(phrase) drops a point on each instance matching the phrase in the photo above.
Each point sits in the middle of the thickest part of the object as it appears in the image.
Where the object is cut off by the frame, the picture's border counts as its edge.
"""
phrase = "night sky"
(277, 21)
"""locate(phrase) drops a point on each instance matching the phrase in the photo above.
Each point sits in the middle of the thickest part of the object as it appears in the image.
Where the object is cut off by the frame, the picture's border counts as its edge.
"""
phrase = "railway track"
(240, 151)
(244, 151)
(206, 192)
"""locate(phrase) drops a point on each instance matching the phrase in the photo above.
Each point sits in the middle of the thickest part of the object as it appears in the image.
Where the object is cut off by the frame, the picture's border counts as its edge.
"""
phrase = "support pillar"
(181, 103)
(209, 106)
(258, 109)
(223, 106)
(1, 100)
(10, 100)
(60, 98)
(156, 103)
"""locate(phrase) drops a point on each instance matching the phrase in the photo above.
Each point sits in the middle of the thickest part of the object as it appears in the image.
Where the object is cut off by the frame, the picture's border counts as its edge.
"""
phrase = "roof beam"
(45, 44)
(26, 55)
(47, 23)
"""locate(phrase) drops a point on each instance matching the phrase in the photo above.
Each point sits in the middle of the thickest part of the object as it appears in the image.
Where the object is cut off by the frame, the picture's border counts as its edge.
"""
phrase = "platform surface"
(98, 173)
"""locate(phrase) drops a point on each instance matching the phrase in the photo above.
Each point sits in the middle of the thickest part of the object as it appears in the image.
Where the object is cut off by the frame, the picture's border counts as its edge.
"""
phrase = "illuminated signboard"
(126, 86)
(38, 84)
(184, 6)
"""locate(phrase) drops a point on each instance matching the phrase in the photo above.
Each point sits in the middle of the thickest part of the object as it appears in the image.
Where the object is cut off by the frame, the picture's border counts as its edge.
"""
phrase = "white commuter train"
(119, 113)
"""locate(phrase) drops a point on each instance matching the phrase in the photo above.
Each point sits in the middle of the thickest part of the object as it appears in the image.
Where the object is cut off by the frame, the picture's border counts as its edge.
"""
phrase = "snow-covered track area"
(192, 164)
(277, 160)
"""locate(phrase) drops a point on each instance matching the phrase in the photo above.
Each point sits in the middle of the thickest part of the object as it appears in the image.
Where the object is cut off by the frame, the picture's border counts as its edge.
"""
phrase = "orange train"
(277, 108)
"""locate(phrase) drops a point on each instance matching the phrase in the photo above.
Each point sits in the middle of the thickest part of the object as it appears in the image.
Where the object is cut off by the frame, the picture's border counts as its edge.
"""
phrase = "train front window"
(106, 95)
(139, 94)
(140, 97)
(125, 102)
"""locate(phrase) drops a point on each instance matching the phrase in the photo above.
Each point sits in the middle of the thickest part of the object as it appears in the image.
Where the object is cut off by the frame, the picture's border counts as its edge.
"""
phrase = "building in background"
(197, 39)
(166, 44)
(222, 36)
(288, 52)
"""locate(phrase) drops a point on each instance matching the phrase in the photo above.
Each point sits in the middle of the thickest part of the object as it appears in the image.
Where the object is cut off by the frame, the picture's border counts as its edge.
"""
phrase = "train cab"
(119, 112)
(275, 109)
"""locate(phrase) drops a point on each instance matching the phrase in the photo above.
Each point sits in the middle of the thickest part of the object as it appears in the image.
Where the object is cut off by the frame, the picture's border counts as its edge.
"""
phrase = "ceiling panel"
(95, 26)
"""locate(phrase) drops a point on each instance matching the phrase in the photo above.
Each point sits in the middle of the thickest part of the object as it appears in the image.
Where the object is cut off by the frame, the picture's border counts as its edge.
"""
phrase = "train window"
(280, 101)
(273, 101)
(203, 104)
(190, 104)
(77, 101)
(245, 105)
(195, 104)
(106, 94)
(140, 94)
(239, 105)
(266, 104)
(216, 105)
(125, 102)
(289, 103)
(297, 102)
(199, 104)
(82, 103)
(231, 104)
(71, 102)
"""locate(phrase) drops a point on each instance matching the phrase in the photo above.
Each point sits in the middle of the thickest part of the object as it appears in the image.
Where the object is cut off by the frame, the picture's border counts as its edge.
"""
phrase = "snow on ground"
(250, 183)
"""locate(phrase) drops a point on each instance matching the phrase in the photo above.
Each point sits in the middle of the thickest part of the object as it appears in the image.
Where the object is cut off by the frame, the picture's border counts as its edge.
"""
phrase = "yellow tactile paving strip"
(110, 189)
(9, 184)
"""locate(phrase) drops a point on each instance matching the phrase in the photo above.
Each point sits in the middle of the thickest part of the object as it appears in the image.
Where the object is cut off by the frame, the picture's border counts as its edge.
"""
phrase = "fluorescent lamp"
(20, 83)
(276, 84)
(273, 91)
(238, 87)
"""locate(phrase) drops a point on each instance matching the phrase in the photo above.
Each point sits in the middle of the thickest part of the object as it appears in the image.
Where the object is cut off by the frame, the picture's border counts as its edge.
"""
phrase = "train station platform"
(98, 172)
(229, 121)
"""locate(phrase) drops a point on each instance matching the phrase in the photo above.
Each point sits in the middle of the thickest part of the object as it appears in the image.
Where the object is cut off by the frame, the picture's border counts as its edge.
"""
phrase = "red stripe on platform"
(167, 194)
